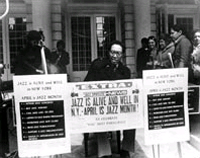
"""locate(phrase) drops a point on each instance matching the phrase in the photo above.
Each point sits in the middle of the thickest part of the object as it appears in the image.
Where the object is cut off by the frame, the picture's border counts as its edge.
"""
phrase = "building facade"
(87, 26)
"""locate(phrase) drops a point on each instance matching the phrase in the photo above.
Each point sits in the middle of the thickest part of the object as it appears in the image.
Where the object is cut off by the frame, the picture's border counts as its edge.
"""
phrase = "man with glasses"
(111, 68)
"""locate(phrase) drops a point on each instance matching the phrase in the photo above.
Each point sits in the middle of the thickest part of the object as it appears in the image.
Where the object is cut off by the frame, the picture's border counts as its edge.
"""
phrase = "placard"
(105, 105)
(166, 106)
(40, 104)
(193, 99)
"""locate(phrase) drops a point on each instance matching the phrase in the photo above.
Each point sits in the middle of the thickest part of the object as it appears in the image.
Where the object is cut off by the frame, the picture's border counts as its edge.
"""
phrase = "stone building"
(87, 26)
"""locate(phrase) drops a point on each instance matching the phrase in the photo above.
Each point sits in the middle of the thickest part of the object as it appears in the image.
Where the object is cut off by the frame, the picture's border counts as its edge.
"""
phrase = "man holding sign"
(111, 68)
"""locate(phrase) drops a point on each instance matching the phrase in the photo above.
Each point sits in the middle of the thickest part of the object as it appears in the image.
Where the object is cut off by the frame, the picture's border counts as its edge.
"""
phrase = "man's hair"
(178, 27)
(34, 35)
(60, 42)
(118, 43)
(144, 40)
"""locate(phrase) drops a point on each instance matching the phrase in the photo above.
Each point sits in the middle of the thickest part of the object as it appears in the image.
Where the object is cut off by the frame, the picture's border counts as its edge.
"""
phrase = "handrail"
(7, 9)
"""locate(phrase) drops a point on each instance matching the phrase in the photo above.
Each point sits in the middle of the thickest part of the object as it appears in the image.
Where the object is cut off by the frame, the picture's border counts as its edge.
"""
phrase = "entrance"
(90, 36)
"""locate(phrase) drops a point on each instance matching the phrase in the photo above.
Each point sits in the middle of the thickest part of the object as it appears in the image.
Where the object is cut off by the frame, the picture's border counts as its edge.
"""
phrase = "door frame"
(92, 11)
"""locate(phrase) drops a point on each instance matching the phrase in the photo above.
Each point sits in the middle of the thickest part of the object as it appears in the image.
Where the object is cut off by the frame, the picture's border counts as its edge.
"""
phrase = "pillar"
(142, 20)
(41, 16)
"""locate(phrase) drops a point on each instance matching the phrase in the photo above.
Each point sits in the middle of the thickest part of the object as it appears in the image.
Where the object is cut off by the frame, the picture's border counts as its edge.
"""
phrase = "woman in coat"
(165, 52)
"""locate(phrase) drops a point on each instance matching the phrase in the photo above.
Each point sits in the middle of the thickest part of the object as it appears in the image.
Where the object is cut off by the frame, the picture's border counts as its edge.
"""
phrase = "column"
(41, 14)
(142, 20)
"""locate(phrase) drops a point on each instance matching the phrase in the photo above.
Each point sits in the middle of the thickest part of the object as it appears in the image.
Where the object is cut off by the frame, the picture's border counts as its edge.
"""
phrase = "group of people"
(174, 51)
(29, 62)
(29, 59)
(169, 51)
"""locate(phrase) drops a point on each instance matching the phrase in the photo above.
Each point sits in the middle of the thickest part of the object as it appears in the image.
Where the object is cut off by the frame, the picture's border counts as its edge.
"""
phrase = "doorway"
(90, 37)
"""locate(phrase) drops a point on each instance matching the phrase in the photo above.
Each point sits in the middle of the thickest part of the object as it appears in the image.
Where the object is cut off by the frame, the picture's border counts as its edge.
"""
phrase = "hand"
(150, 63)
(196, 70)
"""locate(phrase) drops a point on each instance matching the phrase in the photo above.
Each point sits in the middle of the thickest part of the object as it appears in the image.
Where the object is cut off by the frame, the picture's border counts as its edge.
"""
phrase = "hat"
(34, 35)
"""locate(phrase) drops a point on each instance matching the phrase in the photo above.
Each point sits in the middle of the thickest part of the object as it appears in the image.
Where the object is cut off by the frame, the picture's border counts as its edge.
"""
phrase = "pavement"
(141, 150)
(167, 150)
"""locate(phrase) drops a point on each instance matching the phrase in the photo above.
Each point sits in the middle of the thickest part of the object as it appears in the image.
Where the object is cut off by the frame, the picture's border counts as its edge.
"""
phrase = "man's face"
(115, 53)
(34, 43)
(60, 47)
(175, 34)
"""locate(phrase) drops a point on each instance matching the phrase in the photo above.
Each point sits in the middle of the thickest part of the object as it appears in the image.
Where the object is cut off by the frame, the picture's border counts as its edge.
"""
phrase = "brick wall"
(56, 14)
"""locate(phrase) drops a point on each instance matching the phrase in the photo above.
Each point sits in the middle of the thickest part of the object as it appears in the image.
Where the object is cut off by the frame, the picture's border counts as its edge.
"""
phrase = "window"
(81, 43)
(106, 33)
(17, 36)
(186, 22)
(83, 33)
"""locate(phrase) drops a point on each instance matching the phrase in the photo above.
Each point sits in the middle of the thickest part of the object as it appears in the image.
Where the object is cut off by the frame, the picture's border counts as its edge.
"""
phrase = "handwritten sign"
(41, 111)
(105, 105)
(166, 112)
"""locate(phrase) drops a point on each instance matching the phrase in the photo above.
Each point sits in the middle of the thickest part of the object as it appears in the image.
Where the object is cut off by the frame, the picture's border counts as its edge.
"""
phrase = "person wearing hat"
(29, 60)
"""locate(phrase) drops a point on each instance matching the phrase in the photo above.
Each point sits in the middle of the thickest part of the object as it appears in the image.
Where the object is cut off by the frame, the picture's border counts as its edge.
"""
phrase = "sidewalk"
(168, 150)
(141, 150)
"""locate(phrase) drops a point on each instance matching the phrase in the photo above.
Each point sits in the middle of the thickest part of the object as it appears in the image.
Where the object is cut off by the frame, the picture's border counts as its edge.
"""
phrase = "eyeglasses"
(115, 53)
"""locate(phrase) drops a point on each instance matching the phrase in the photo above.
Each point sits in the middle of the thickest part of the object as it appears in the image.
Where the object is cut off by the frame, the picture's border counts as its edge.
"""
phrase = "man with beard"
(111, 68)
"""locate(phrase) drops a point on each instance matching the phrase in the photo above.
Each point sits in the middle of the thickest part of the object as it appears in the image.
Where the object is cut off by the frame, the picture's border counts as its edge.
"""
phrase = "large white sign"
(40, 105)
(105, 105)
(166, 106)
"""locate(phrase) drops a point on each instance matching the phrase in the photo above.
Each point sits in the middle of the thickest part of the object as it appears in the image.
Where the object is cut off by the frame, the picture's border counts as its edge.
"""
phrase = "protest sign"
(166, 106)
(40, 105)
(105, 105)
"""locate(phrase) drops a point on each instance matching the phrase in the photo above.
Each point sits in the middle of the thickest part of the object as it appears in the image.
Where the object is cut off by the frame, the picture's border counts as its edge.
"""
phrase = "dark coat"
(183, 50)
(29, 61)
(103, 69)
(60, 60)
(142, 59)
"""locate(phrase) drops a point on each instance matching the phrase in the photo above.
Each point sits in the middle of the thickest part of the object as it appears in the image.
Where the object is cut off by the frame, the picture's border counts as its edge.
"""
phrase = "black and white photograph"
(99, 78)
